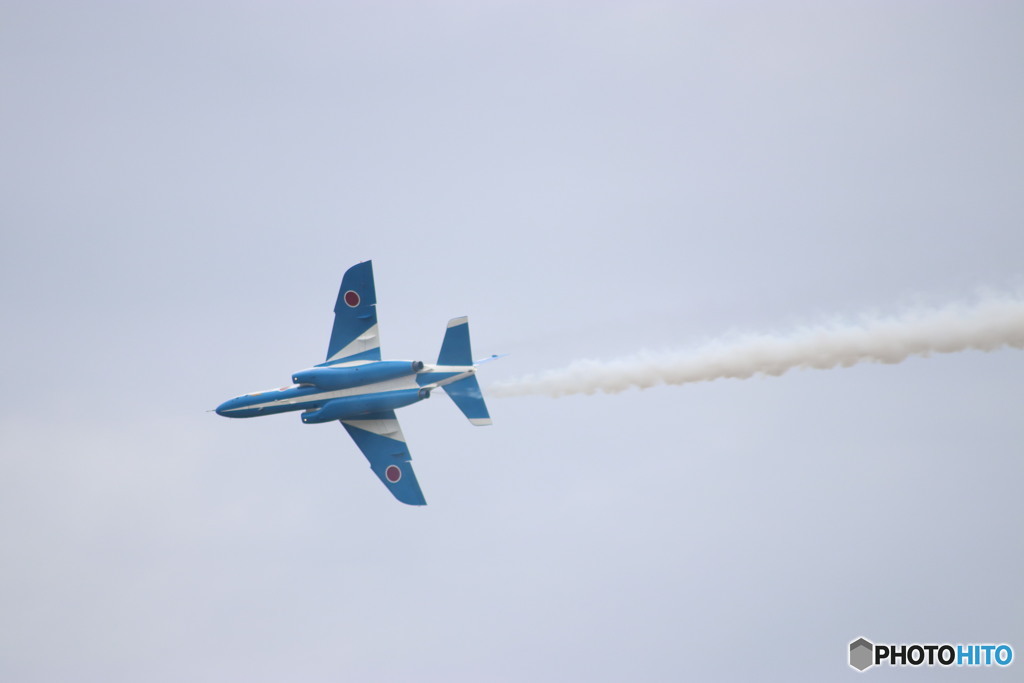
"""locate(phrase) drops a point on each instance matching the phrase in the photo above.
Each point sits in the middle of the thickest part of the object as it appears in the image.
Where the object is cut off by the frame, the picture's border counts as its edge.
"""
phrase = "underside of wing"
(355, 336)
(380, 439)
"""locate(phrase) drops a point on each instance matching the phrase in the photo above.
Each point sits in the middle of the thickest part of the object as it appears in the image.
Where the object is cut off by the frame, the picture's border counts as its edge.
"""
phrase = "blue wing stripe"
(371, 354)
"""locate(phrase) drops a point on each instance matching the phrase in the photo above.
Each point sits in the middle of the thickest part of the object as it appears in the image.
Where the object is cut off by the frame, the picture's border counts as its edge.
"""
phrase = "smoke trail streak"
(988, 325)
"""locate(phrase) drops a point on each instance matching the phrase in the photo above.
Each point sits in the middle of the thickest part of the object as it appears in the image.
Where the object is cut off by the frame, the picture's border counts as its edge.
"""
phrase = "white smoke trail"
(991, 324)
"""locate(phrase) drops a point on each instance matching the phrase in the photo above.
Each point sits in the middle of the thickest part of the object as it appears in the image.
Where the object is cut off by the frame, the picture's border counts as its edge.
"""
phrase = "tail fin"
(455, 350)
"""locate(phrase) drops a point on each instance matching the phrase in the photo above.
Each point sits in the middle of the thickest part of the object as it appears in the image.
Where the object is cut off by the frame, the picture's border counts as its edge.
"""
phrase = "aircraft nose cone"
(224, 407)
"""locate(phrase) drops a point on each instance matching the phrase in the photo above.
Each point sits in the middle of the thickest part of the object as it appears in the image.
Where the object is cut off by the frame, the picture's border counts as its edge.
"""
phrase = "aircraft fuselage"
(348, 390)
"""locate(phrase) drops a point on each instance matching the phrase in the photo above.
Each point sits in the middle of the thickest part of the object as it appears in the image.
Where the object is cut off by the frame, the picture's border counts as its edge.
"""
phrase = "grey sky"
(185, 183)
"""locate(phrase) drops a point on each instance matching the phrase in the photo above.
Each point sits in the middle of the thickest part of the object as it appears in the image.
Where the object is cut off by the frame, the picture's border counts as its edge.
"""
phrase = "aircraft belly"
(291, 399)
(364, 404)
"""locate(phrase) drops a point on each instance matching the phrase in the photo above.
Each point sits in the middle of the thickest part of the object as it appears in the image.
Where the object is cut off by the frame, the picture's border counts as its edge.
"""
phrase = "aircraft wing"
(355, 336)
(381, 440)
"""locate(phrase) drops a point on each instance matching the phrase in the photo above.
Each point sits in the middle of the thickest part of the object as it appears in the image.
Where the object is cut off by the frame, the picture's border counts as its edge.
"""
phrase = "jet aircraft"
(355, 387)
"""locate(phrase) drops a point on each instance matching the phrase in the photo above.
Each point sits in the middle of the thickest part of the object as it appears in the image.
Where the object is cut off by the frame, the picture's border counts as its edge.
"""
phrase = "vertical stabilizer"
(455, 348)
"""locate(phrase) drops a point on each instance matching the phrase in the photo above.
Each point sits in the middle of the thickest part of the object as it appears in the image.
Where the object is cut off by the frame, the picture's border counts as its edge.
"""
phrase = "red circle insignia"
(393, 473)
(351, 298)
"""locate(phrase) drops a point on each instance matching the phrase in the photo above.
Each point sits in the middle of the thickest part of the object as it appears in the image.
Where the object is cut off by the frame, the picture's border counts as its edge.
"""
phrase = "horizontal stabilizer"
(467, 396)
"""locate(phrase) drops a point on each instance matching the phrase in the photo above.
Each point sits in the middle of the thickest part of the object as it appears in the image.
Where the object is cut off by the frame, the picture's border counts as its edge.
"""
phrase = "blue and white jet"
(357, 388)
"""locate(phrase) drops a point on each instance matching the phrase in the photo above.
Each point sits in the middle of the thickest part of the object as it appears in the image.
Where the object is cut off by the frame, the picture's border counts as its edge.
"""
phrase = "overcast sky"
(184, 184)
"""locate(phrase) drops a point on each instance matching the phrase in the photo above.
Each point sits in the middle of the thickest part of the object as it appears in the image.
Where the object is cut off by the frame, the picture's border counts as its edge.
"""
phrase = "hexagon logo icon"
(861, 654)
